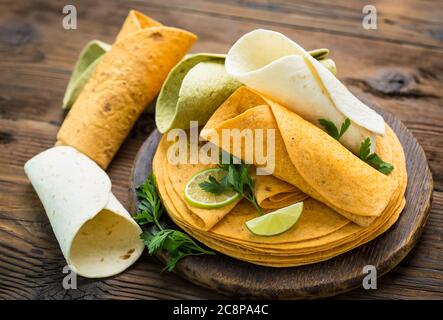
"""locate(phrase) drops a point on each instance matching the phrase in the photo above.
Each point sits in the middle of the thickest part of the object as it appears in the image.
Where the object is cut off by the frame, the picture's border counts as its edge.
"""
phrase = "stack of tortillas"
(97, 235)
(347, 202)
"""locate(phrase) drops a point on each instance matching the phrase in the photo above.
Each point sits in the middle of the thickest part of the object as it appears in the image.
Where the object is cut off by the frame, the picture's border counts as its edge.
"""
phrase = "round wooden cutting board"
(343, 273)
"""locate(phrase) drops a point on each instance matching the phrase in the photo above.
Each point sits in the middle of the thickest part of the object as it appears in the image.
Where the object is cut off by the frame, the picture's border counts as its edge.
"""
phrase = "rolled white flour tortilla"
(276, 66)
(96, 234)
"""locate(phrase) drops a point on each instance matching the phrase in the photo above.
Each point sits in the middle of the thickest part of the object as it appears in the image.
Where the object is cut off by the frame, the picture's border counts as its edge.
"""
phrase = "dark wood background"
(399, 66)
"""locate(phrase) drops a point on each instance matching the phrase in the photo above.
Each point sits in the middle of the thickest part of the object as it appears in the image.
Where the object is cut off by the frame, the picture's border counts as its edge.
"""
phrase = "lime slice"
(197, 197)
(275, 222)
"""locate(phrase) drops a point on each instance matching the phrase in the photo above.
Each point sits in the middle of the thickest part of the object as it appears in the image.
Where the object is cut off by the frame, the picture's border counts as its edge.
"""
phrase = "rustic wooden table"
(399, 66)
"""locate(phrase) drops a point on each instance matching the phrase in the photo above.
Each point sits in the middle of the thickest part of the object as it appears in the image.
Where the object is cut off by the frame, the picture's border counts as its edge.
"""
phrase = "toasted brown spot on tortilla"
(107, 107)
(125, 257)
(156, 36)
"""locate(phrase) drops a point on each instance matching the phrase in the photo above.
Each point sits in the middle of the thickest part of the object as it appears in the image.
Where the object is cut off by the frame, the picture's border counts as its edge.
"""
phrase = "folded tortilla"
(273, 193)
(319, 234)
(170, 177)
(126, 79)
(194, 89)
(198, 85)
(97, 236)
(276, 66)
(306, 156)
(203, 219)
(346, 201)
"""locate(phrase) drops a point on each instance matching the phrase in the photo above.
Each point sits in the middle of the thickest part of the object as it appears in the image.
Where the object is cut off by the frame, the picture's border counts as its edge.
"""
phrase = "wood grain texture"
(399, 66)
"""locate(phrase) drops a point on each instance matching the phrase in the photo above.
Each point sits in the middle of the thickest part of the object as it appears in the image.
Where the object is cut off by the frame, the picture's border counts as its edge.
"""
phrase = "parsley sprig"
(237, 178)
(373, 159)
(332, 130)
(365, 148)
(214, 186)
(176, 243)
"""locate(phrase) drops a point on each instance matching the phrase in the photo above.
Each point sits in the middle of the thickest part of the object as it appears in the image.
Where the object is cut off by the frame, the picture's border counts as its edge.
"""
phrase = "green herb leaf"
(373, 159)
(214, 186)
(330, 127)
(332, 130)
(344, 126)
(146, 237)
(365, 149)
(237, 178)
(176, 243)
(143, 217)
(150, 206)
(157, 241)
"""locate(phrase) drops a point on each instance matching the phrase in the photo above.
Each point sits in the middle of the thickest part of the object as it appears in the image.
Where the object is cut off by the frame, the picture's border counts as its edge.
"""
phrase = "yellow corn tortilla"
(303, 244)
(179, 175)
(322, 231)
(307, 157)
(231, 224)
(273, 193)
(312, 223)
(240, 252)
(85, 66)
(136, 21)
(126, 79)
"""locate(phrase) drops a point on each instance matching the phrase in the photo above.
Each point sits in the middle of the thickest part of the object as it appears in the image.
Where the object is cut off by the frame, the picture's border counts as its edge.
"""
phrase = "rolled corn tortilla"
(126, 79)
(84, 67)
(96, 234)
(276, 66)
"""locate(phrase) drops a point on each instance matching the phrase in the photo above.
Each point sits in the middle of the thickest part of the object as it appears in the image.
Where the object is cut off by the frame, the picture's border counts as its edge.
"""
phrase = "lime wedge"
(275, 222)
(197, 197)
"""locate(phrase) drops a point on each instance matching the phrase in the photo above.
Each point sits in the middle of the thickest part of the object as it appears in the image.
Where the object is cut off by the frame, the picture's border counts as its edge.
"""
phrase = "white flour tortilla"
(96, 234)
(276, 66)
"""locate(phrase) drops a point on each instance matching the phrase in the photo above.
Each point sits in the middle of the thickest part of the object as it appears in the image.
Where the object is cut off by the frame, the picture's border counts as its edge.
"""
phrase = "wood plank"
(357, 62)
(401, 22)
(355, 58)
(38, 56)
